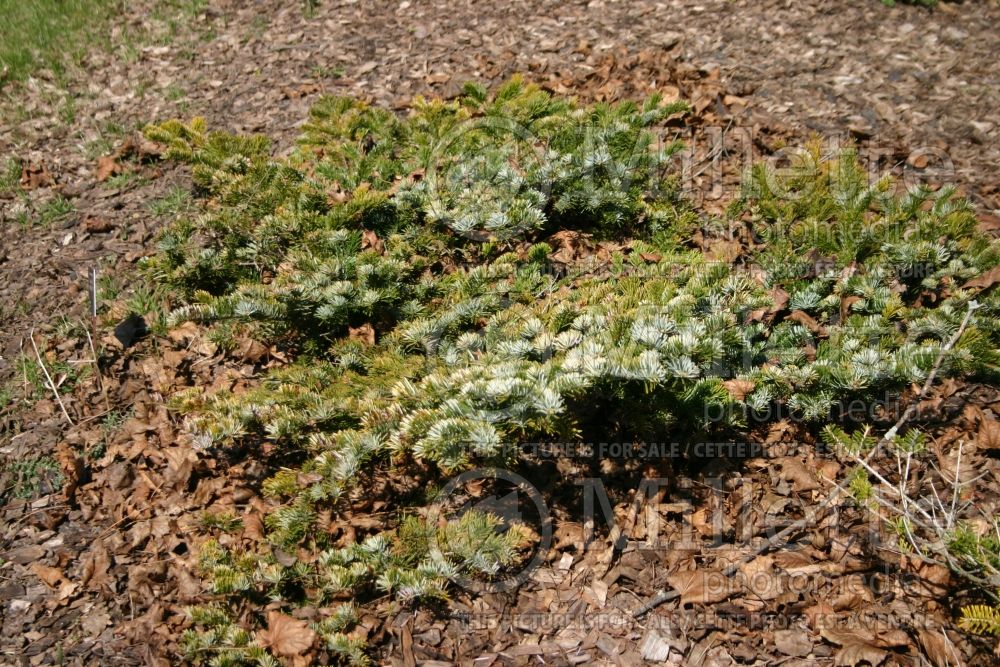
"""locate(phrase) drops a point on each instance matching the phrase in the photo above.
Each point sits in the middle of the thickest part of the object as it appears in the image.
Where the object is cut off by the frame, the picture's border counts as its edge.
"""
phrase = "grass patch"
(49, 34)
(10, 175)
(175, 202)
(54, 210)
(109, 135)
(126, 179)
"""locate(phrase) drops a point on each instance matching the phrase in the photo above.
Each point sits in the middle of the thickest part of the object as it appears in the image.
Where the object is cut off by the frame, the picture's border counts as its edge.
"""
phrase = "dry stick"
(48, 378)
(92, 338)
(917, 548)
(814, 515)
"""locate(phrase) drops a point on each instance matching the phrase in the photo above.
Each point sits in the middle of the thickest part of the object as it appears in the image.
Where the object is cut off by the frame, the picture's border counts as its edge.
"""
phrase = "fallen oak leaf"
(819, 615)
(845, 631)
(795, 643)
(96, 573)
(54, 579)
(988, 436)
(50, 576)
(107, 166)
(701, 586)
(35, 176)
(286, 636)
(365, 333)
(984, 281)
(794, 470)
(856, 654)
(94, 224)
(249, 350)
(739, 389)
(808, 322)
(987, 222)
(370, 239)
(939, 648)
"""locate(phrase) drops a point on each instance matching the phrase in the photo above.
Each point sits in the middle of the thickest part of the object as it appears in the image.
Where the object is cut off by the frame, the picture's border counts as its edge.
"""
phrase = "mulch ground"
(98, 568)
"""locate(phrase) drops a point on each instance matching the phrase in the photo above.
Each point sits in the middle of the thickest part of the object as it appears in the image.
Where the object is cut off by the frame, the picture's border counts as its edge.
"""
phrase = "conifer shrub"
(434, 233)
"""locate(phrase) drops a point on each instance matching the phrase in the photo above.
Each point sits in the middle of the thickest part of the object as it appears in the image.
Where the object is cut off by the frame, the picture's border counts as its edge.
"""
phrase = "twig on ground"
(90, 339)
(48, 378)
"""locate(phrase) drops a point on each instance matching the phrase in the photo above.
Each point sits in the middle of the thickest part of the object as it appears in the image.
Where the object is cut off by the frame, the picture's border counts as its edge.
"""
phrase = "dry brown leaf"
(701, 520)
(984, 281)
(107, 166)
(250, 350)
(845, 631)
(371, 240)
(939, 649)
(253, 527)
(802, 477)
(54, 579)
(286, 636)
(701, 586)
(50, 576)
(988, 436)
(987, 222)
(365, 333)
(571, 246)
(959, 463)
(893, 638)
(94, 622)
(184, 332)
(929, 579)
(856, 654)
(95, 224)
(35, 176)
(760, 580)
(72, 467)
(808, 322)
(724, 250)
(820, 615)
(795, 643)
(739, 389)
(97, 568)
(188, 586)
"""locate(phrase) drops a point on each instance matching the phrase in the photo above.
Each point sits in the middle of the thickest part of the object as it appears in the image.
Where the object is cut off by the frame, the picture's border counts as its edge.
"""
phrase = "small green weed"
(52, 211)
(126, 179)
(227, 522)
(175, 202)
(32, 477)
(10, 175)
